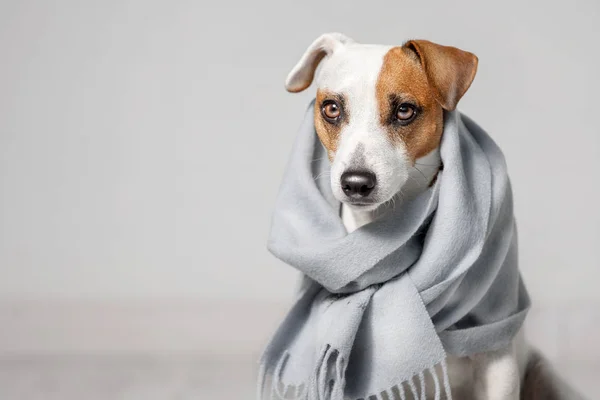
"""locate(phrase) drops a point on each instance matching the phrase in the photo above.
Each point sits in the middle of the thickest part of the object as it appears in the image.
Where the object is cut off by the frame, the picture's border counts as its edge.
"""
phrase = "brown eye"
(331, 111)
(405, 112)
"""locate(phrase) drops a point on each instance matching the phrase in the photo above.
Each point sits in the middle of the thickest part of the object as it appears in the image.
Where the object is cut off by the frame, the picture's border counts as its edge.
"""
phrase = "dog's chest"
(354, 219)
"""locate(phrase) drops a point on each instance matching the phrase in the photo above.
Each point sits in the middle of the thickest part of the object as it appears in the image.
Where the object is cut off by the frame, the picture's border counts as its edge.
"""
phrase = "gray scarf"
(382, 306)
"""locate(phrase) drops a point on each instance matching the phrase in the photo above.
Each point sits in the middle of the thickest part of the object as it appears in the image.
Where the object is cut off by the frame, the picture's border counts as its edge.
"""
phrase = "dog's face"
(379, 110)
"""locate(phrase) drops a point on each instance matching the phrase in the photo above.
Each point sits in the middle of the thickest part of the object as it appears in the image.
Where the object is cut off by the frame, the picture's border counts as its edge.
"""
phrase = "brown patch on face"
(329, 133)
(403, 80)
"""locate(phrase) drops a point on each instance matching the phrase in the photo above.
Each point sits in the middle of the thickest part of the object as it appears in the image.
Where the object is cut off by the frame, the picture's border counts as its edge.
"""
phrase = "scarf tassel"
(415, 387)
(329, 379)
(329, 384)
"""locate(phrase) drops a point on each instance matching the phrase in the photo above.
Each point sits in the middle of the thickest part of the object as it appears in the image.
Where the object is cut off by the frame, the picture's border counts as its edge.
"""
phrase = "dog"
(379, 114)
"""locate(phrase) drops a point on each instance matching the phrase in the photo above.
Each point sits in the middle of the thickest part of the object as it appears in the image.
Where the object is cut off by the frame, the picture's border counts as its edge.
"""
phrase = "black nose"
(357, 184)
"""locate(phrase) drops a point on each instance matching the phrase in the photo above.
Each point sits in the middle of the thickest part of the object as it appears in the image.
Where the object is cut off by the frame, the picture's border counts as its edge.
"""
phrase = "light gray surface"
(126, 378)
(158, 378)
(160, 352)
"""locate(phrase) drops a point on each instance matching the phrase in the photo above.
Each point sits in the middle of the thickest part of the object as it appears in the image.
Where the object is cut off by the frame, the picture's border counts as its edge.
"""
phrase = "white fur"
(352, 69)
(419, 177)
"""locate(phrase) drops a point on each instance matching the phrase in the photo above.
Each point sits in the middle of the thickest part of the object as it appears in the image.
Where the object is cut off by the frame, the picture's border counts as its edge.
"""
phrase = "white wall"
(142, 142)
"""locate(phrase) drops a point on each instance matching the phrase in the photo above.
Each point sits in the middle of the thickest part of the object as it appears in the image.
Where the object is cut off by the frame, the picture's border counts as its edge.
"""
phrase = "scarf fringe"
(332, 388)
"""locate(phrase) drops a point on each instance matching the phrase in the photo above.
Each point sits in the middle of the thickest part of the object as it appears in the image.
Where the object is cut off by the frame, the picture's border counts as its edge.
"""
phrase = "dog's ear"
(449, 70)
(301, 76)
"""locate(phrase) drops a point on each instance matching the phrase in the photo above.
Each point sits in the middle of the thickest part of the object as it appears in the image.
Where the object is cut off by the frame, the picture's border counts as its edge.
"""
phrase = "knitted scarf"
(381, 307)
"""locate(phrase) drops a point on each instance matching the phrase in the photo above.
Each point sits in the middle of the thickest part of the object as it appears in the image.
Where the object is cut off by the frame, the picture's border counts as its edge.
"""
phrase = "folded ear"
(449, 70)
(301, 76)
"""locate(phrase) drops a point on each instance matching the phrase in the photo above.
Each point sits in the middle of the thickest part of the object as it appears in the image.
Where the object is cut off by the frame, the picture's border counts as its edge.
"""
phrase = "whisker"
(393, 202)
(421, 172)
(427, 165)
(414, 180)
(321, 175)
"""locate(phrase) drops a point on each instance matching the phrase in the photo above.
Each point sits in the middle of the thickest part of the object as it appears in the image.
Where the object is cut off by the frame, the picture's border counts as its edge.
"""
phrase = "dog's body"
(379, 114)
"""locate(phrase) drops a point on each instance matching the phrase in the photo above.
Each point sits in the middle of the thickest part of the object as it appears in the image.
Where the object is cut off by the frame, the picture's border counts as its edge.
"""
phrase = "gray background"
(142, 144)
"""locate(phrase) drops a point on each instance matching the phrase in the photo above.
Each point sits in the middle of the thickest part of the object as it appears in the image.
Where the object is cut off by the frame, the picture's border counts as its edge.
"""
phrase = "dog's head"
(379, 110)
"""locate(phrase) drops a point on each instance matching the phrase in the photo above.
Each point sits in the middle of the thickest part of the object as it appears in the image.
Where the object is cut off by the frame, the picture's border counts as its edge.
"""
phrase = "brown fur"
(328, 134)
(449, 70)
(402, 76)
(428, 75)
(433, 77)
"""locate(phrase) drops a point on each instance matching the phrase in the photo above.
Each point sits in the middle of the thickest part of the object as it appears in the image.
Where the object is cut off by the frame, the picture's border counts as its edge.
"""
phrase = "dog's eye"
(331, 111)
(405, 112)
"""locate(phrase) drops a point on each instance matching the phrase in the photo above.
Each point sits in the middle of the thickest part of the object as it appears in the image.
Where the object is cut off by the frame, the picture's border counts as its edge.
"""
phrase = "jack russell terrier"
(369, 93)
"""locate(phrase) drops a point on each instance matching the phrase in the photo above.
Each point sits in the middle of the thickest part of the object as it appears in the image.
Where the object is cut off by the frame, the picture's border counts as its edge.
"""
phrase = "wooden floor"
(158, 378)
